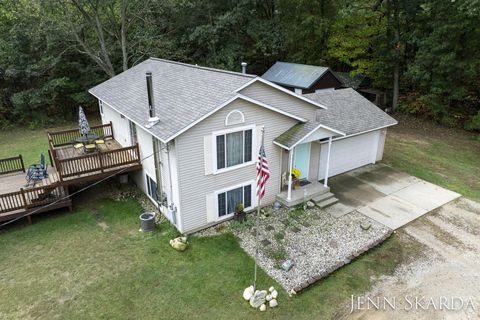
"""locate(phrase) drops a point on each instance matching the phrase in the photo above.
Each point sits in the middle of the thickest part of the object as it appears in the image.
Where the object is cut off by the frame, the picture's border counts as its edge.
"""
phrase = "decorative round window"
(234, 117)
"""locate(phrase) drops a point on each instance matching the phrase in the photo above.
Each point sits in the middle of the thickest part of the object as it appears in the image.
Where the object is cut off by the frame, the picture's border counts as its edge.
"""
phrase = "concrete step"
(327, 203)
(322, 197)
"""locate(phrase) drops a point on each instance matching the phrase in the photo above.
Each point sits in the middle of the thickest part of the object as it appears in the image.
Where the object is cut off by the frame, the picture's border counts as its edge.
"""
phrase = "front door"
(301, 159)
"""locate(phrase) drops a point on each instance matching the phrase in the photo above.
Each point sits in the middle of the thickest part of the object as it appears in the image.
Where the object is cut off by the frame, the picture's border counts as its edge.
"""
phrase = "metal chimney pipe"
(151, 103)
(244, 67)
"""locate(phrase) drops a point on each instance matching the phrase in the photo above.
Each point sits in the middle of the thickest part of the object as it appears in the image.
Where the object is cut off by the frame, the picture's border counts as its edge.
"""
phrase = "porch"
(315, 191)
(301, 164)
(73, 165)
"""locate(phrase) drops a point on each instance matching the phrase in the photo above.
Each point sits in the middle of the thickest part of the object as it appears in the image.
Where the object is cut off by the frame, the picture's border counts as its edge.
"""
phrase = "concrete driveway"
(386, 195)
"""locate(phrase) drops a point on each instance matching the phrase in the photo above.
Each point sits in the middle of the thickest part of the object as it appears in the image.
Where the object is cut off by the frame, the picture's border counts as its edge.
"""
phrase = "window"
(151, 188)
(228, 200)
(100, 105)
(233, 148)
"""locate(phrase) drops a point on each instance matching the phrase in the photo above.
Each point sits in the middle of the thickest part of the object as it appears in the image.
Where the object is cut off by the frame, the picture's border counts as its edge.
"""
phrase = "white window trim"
(100, 106)
(147, 187)
(214, 148)
(253, 198)
(232, 112)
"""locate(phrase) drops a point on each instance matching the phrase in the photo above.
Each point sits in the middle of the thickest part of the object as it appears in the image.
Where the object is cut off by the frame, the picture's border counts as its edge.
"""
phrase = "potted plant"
(296, 173)
(239, 214)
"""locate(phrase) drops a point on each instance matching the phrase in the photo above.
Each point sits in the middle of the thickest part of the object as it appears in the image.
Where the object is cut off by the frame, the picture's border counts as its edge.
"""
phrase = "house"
(198, 130)
(302, 78)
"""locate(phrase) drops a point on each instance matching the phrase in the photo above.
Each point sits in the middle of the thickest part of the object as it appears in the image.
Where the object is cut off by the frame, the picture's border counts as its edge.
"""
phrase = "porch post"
(290, 167)
(325, 183)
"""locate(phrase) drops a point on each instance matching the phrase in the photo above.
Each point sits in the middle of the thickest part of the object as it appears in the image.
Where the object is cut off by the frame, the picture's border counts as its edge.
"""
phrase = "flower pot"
(240, 217)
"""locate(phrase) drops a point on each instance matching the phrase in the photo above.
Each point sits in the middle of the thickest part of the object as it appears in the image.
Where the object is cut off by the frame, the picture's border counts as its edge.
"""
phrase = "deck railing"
(10, 165)
(66, 137)
(30, 197)
(97, 162)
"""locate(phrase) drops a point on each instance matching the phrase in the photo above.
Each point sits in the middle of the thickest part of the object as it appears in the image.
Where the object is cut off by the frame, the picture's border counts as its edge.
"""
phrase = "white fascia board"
(243, 97)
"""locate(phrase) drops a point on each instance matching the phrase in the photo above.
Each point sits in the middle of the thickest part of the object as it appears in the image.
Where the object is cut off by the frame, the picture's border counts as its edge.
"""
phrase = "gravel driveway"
(449, 268)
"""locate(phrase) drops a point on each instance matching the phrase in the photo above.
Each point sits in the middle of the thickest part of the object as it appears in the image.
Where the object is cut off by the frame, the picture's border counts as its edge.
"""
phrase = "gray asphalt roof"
(348, 111)
(293, 74)
(183, 93)
(295, 133)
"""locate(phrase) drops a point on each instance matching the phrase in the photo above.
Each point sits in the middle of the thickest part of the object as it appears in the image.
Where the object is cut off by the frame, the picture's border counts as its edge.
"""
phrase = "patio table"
(89, 138)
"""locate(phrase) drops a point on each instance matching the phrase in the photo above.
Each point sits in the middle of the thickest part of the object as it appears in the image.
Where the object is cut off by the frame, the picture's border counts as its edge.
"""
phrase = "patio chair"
(37, 172)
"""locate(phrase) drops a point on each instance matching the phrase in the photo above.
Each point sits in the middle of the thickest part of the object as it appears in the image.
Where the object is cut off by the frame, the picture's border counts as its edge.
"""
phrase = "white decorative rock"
(268, 297)
(271, 289)
(274, 294)
(273, 303)
(258, 298)
(263, 307)
(248, 293)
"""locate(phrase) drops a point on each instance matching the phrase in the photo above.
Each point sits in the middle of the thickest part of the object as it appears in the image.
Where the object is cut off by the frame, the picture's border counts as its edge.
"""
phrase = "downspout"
(158, 174)
(171, 205)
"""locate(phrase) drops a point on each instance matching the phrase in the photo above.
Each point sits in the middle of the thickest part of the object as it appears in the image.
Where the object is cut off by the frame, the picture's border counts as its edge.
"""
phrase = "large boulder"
(179, 244)
(273, 303)
(258, 298)
(248, 293)
(274, 294)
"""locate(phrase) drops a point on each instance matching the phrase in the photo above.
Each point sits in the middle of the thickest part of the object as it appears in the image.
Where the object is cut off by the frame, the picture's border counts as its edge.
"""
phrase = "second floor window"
(234, 148)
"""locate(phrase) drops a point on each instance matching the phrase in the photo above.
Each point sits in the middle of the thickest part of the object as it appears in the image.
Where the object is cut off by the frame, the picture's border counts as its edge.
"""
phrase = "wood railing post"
(24, 199)
(100, 157)
(21, 161)
(111, 130)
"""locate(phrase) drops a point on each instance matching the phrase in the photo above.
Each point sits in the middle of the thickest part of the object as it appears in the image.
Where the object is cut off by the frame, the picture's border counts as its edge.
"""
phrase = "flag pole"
(259, 198)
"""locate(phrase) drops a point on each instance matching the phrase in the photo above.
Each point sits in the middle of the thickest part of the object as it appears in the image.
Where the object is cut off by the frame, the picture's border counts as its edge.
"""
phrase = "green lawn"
(447, 157)
(66, 265)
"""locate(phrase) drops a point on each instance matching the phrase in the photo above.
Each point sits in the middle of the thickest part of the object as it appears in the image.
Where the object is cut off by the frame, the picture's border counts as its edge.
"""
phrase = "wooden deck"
(69, 166)
(17, 199)
(75, 166)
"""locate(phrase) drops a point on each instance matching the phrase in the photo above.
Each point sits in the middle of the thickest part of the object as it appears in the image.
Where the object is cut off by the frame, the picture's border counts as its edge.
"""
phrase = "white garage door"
(349, 153)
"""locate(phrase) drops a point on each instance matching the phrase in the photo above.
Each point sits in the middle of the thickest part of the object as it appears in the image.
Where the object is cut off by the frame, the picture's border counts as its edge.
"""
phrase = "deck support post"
(290, 167)
(327, 167)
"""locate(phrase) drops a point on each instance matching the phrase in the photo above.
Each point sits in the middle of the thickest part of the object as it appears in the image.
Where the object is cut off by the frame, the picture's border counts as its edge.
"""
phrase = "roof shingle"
(183, 93)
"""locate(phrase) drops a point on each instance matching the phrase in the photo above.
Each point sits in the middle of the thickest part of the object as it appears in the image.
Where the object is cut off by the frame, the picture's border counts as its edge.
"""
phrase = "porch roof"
(305, 132)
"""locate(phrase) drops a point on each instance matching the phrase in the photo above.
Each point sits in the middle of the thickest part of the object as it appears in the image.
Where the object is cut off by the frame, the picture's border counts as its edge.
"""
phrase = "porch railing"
(66, 137)
(30, 198)
(97, 162)
(13, 164)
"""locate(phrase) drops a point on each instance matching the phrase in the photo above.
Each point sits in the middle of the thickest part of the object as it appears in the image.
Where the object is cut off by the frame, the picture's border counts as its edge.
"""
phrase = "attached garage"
(352, 152)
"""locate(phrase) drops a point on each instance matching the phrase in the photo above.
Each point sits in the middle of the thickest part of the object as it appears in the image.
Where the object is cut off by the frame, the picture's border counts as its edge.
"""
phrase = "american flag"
(263, 172)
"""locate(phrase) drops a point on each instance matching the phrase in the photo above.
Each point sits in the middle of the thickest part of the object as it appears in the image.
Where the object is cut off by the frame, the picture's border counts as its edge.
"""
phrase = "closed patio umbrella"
(83, 122)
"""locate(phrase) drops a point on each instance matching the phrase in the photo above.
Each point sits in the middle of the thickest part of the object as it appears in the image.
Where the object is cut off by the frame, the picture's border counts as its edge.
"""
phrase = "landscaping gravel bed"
(316, 242)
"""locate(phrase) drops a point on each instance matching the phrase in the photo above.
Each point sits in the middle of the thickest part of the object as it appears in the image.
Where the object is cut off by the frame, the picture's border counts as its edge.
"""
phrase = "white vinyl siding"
(349, 153)
(281, 100)
(197, 188)
(121, 128)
